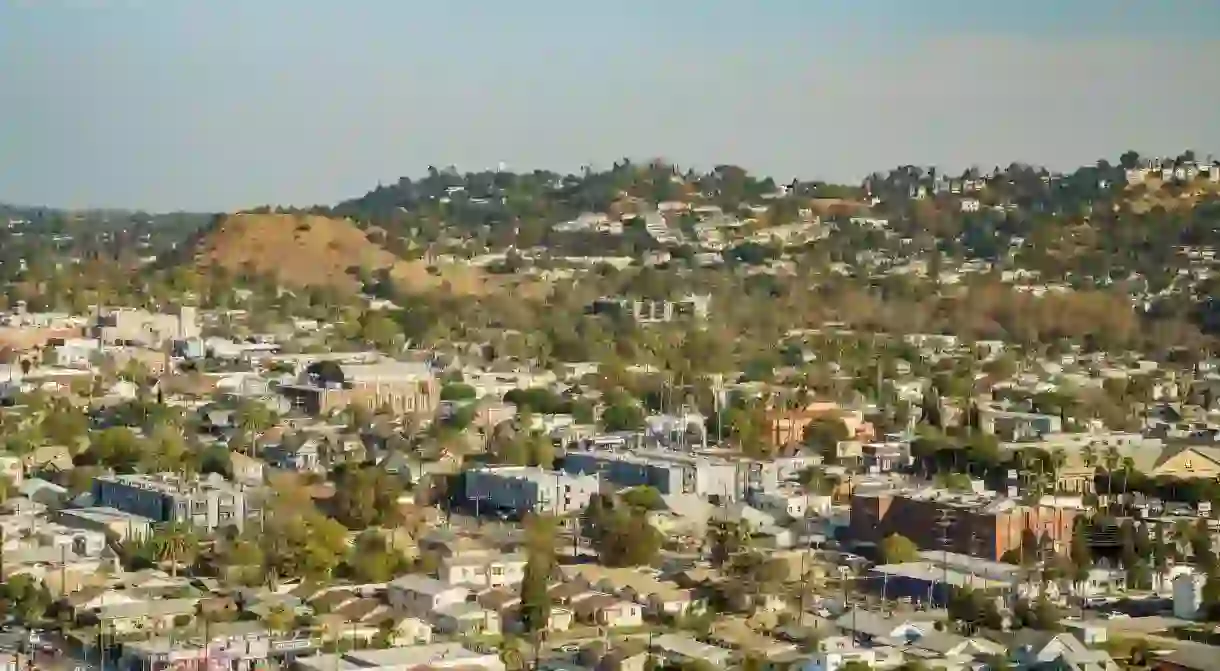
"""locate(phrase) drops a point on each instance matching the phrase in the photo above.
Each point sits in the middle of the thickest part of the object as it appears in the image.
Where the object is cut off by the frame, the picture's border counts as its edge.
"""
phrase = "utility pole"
(945, 522)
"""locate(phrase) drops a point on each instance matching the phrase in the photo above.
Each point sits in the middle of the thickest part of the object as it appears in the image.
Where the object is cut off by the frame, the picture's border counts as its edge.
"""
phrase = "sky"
(223, 104)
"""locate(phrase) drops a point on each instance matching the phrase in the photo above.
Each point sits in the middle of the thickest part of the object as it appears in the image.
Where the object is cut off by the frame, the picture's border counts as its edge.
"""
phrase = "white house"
(836, 651)
(483, 570)
(421, 596)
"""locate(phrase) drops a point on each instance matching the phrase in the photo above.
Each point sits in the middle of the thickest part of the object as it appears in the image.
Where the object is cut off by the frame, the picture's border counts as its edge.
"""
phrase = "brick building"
(403, 387)
(981, 525)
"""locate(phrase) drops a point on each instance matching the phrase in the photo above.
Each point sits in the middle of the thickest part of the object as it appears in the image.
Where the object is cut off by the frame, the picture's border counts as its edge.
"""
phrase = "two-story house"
(421, 596)
(482, 569)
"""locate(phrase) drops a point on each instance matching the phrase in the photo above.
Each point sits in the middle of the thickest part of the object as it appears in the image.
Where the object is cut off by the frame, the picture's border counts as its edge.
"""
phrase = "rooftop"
(105, 515)
(446, 655)
(172, 483)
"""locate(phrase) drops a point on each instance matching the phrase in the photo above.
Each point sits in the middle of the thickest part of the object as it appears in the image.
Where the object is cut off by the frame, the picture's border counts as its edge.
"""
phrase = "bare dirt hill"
(319, 251)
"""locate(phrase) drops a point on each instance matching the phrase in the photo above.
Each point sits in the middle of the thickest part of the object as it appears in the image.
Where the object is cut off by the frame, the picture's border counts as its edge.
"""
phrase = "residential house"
(833, 653)
(679, 649)
(421, 596)
(302, 457)
(466, 619)
(246, 470)
(437, 656)
(1032, 649)
(609, 611)
(144, 616)
(482, 570)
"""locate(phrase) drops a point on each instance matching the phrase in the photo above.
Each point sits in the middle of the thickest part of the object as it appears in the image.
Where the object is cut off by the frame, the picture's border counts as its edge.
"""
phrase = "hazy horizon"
(180, 105)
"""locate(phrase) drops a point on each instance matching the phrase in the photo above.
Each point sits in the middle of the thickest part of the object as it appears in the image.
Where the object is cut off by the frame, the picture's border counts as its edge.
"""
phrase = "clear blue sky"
(219, 104)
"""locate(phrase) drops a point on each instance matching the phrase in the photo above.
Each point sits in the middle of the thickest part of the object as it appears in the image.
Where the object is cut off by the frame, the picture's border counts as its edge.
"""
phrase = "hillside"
(306, 250)
(1154, 193)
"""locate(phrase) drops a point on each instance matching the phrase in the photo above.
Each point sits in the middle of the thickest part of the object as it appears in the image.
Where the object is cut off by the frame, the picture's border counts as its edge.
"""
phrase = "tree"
(622, 415)
(824, 435)
(897, 549)
(457, 391)
(931, 408)
(372, 561)
(1041, 614)
(626, 538)
(1201, 546)
(326, 372)
(175, 544)
(297, 540)
(25, 598)
(64, 425)
(117, 447)
(366, 497)
(644, 497)
(242, 559)
(278, 620)
(253, 418)
(727, 539)
(535, 599)
(541, 451)
(1081, 554)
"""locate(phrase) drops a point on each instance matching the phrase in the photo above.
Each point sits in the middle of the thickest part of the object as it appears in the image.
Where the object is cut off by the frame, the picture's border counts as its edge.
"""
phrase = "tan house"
(466, 619)
(147, 616)
(247, 470)
(609, 611)
(1188, 462)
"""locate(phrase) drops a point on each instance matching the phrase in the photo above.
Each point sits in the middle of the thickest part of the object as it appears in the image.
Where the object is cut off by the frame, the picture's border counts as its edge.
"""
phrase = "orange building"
(786, 426)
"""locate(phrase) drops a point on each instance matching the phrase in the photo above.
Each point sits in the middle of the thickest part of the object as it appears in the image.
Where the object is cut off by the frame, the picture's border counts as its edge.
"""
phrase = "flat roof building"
(208, 503)
(527, 489)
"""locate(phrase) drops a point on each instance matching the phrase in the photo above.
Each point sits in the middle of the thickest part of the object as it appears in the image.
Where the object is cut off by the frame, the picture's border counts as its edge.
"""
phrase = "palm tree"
(1128, 465)
(1111, 460)
(174, 544)
(1058, 459)
(1089, 456)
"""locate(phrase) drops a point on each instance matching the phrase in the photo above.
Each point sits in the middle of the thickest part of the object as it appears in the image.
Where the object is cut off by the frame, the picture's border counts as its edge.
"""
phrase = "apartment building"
(980, 525)
(668, 472)
(652, 311)
(209, 503)
(525, 489)
(143, 327)
(402, 386)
